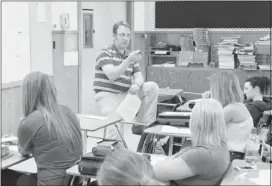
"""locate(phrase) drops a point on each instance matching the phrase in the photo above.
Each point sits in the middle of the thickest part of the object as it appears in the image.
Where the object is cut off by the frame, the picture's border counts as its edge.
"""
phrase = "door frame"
(130, 19)
(80, 46)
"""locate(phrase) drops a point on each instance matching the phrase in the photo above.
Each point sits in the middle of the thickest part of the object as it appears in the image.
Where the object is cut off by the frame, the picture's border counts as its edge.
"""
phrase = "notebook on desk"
(174, 118)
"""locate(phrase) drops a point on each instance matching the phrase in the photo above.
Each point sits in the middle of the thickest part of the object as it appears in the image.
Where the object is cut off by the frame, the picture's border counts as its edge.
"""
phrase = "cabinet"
(193, 79)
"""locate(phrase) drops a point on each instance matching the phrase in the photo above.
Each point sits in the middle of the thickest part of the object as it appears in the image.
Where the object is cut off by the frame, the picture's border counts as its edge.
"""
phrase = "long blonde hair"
(207, 123)
(39, 93)
(225, 88)
(125, 167)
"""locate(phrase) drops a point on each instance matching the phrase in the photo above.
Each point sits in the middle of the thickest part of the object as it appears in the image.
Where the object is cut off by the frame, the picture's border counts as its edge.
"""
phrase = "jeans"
(109, 102)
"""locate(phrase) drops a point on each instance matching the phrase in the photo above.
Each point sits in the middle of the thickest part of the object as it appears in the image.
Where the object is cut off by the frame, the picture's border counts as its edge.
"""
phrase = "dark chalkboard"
(213, 14)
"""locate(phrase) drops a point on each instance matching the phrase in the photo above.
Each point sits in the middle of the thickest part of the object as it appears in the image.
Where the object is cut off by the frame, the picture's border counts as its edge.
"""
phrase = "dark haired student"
(254, 89)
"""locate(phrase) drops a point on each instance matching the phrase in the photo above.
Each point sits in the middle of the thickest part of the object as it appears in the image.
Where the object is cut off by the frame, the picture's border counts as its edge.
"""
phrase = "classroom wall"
(38, 40)
(144, 16)
(58, 8)
(15, 41)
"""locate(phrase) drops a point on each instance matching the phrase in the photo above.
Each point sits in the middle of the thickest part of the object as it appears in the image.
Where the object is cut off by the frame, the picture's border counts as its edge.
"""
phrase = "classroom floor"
(131, 139)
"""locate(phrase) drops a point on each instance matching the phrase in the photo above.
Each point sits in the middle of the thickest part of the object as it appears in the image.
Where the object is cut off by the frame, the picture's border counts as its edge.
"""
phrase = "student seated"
(48, 130)
(225, 87)
(125, 167)
(254, 89)
(207, 160)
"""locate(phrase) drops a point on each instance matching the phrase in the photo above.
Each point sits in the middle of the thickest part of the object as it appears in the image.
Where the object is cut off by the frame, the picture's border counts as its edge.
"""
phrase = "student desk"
(93, 123)
(28, 166)
(16, 158)
(232, 175)
(157, 131)
(73, 171)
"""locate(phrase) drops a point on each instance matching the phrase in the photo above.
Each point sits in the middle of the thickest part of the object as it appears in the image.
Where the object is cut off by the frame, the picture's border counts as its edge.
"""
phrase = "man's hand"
(134, 89)
(206, 94)
(135, 56)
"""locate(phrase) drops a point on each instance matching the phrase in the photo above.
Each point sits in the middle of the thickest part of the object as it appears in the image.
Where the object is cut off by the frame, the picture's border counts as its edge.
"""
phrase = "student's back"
(239, 124)
(50, 154)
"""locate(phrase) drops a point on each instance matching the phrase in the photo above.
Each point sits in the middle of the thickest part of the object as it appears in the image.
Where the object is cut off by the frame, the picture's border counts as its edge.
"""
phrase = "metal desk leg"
(143, 147)
(125, 144)
(72, 181)
(170, 146)
(155, 145)
(84, 139)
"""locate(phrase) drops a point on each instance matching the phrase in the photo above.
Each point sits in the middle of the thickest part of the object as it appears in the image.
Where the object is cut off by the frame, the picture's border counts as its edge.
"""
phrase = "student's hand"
(206, 94)
(135, 56)
(134, 89)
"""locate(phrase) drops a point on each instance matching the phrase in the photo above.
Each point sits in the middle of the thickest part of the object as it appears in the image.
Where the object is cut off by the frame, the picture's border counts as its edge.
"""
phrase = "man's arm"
(114, 72)
(138, 78)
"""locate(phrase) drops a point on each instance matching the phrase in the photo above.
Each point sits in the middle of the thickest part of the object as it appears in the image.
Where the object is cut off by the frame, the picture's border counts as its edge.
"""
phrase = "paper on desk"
(9, 139)
(129, 107)
(88, 116)
(264, 177)
(156, 158)
(175, 130)
(13, 148)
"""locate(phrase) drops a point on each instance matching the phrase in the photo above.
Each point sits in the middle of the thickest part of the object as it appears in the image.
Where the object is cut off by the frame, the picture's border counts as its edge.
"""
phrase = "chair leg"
(72, 181)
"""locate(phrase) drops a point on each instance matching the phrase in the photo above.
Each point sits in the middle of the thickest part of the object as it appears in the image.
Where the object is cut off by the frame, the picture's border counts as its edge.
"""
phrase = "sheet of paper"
(156, 158)
(175, 114)
(175, 130)
(264, 177)
(89, 116)
(9, 139)
(129, 107)
(70, 58)
(13, 148)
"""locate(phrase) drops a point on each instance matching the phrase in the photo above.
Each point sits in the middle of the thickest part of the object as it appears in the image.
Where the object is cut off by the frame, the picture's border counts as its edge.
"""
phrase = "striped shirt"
(111, 55)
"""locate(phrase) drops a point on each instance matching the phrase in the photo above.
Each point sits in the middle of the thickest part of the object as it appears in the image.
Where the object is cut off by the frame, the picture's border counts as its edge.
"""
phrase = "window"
(87, 30)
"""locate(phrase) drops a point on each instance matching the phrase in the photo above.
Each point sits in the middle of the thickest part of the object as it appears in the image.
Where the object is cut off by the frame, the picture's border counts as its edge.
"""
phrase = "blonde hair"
(225, 88)
(125, 167)
(207, 123)
(39, 93)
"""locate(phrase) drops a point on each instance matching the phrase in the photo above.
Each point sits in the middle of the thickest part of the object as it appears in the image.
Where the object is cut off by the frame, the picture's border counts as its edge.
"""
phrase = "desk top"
(157, 130)
(169, 91)
(231, 176)
(27, 167)
(16, 158)
(89, 123)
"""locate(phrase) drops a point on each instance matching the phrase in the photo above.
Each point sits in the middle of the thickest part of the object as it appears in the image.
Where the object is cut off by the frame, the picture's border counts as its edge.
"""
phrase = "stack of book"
(263, 55)
(226, 50)
(246, 56)
(201, 39)
(186, 43)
